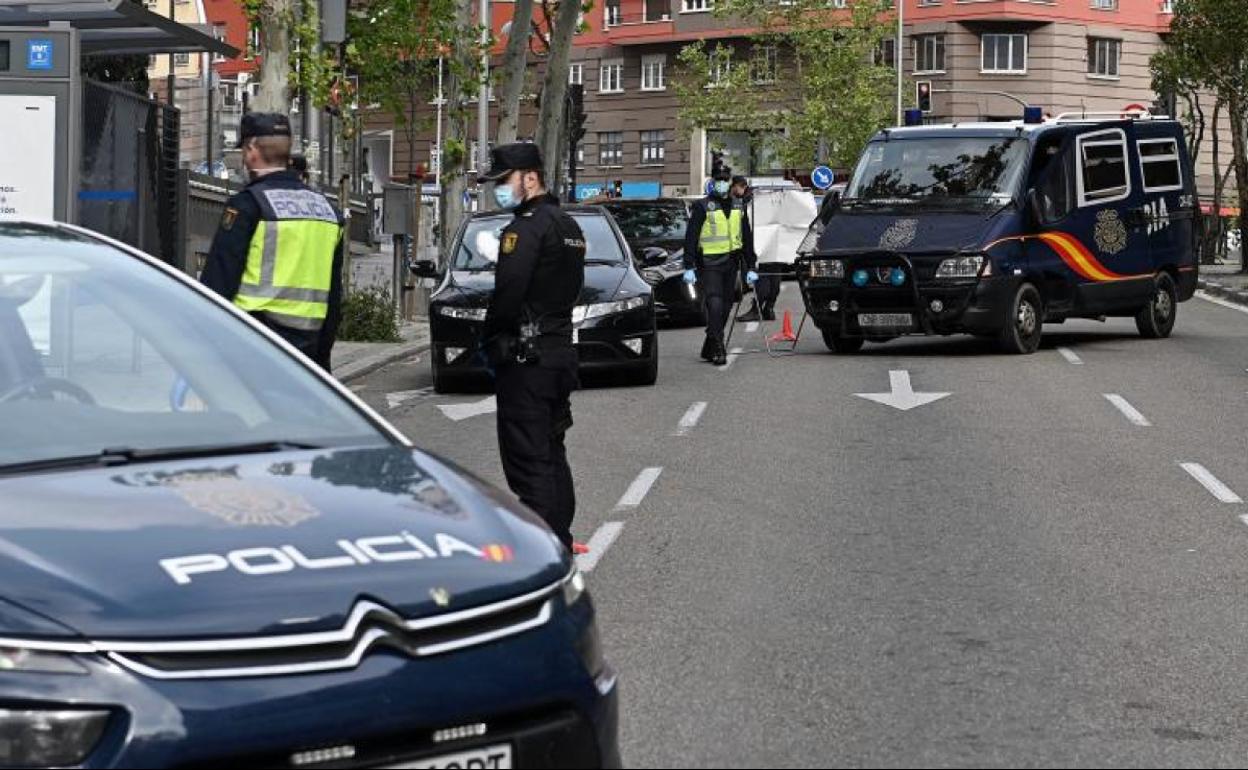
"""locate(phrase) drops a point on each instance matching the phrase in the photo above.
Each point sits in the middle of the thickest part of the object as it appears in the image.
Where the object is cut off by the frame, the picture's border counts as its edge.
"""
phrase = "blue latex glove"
(751, 278)
(691, 277)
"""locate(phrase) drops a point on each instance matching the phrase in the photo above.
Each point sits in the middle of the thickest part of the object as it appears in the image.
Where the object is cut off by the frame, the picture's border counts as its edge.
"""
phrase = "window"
(838, 3)
(611, 148)
(611, 77)
(253, 42)
(721, 65)
(1105, 5)
(698, 6)
(218, 32)
(765, 65)
(614, 16)
(181, 59)
(580, 155)
(1159, 165)
(1005, 53)
(576, 74)
(929, 2)
(1102, 174)
(886, 53)
(654, 73)
(1167, 6)
(1103, 57)
(929, 53)
(652, 147)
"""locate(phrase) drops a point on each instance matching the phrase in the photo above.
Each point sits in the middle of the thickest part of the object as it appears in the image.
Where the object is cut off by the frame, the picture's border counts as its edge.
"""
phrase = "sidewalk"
(1226, 282)
(353, 360)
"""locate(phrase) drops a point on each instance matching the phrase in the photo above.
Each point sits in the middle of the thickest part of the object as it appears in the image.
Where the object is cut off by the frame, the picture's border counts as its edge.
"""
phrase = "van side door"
(1169, 205)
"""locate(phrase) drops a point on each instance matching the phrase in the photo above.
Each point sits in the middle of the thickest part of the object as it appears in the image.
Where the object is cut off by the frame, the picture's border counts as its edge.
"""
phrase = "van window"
(1159, 165)
(1056, 193)
(1103, 168)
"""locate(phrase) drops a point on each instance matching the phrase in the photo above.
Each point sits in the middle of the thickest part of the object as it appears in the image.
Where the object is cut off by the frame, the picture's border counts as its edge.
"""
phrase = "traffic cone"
(786, 333)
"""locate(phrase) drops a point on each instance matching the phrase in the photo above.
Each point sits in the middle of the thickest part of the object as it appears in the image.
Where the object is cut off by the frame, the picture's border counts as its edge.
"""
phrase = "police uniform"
(528, 331)
(715, 246)
(278, 253)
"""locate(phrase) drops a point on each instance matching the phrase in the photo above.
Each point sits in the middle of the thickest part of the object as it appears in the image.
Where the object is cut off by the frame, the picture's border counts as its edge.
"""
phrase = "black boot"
(749, 316)
(769, 312)
(721, 355)
(708, 349)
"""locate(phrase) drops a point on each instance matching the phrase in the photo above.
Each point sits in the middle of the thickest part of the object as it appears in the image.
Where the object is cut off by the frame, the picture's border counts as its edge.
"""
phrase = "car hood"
(278, 543)
(923, 230)
(465, 289)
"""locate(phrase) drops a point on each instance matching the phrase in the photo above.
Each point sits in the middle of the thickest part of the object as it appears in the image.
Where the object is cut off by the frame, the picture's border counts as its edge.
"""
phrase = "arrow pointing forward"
(459, 412)
(902, 396)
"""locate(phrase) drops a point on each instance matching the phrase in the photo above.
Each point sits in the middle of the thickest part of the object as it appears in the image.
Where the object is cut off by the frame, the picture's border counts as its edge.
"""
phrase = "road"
(1045, 567)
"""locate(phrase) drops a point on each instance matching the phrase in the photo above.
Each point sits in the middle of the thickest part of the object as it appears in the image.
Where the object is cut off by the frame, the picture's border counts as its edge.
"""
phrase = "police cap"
(722, 174)
(520, 156)
(256, 124)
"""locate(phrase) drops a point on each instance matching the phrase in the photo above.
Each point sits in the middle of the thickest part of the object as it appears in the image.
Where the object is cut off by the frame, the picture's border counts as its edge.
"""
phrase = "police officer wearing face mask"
(528, 335)
(715, 250)
(278, 251)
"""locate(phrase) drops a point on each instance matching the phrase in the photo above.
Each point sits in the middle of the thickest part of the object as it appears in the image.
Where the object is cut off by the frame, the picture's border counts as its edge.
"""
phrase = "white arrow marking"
(459, 412)
(902, 396)
(394, 400)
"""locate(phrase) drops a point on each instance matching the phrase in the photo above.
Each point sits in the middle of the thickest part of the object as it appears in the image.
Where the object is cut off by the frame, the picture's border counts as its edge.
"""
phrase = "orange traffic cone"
(786, 333)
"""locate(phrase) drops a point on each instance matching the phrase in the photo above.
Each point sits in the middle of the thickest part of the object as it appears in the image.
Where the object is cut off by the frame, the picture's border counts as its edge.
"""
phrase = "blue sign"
(822, 177)
(38, 54)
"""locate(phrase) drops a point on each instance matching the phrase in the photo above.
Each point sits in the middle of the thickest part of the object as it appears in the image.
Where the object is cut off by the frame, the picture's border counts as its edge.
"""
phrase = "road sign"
(822, 177)
(38, 54)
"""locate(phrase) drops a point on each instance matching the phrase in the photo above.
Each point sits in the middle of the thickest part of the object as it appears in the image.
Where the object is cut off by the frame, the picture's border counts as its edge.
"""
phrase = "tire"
(1024, 322)
(1156, 319)
(841, 345)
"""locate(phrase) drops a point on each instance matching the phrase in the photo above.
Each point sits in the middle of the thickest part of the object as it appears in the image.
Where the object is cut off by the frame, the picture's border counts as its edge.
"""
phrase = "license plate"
(487, 758)
(886, 320)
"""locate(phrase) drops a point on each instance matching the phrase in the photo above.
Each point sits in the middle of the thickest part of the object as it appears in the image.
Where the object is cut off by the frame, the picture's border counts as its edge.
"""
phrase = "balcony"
(638, 21)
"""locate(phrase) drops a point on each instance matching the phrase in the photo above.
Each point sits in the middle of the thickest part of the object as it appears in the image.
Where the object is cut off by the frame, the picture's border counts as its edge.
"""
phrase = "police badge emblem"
(1110, 233)
(245, 504)
(900, 234)
(509, 242)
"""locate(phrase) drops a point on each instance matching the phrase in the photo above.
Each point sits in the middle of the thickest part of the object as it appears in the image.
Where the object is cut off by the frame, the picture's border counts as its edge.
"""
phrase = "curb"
(1230, 294)
(366, 366)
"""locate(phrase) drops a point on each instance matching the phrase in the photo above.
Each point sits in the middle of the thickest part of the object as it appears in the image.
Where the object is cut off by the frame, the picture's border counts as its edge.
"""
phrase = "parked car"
(655, 231)
(614, 320)
(214, 555)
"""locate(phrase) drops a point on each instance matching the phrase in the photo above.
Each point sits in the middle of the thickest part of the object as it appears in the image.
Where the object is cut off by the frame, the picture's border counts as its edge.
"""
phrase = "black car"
(655, 230)
(615, 320)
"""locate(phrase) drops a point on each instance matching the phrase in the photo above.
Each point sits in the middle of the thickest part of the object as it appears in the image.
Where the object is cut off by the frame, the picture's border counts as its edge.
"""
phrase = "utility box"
(40, 110)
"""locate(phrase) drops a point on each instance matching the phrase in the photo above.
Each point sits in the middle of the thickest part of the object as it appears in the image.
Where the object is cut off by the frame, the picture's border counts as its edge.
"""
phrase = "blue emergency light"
(1033, 115)
(861, 277)
(914, 117)
(897, 277)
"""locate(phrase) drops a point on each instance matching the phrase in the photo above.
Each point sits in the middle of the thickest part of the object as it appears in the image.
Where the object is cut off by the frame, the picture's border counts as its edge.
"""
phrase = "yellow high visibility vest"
(721, 232)
(290, 263)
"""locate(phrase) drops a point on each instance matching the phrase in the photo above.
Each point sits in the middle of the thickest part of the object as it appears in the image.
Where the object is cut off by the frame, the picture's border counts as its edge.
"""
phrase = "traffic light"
(617, 189)
(923, 95)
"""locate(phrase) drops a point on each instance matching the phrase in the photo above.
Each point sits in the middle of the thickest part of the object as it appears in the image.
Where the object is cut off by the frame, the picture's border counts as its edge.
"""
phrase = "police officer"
(528, 335)
(715, 250)
(277, 253)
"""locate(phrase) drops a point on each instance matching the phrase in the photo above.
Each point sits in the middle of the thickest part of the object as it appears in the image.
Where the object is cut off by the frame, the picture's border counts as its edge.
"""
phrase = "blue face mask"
(505, 197)
(721, 188)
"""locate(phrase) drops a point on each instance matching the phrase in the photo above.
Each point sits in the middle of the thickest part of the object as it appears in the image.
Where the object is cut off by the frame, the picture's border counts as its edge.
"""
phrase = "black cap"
(738, 179)
(723, 173)
(255, 124)
(520, 156)
(299, 163)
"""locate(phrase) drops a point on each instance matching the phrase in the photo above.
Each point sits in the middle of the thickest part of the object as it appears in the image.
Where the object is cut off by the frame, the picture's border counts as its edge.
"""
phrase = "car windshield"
(100, 351)
(659, 221)
(978, 170)
(478, 250)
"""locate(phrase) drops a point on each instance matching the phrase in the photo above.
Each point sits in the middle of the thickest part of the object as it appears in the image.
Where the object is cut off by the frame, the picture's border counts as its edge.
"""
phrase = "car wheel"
(1020, 334)
(841, 345)
(1156, 319)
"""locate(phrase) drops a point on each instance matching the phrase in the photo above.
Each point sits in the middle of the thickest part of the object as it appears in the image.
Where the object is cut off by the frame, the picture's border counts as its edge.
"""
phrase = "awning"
(115, 27)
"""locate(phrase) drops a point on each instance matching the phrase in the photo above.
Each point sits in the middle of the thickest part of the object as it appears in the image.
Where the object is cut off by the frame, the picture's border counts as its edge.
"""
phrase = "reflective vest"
(290, 263)
(721, 232)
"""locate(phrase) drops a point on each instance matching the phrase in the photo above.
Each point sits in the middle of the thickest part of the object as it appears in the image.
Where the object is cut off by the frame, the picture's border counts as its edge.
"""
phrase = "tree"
(550, 121)
(461, 83)
(826, 108)
(1206, 45)
(128, 71)
(515, 69)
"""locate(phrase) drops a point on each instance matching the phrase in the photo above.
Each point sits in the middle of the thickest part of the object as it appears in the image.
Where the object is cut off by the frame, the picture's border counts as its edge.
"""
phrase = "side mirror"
(831, 204)
(654, 256)
(425, 269)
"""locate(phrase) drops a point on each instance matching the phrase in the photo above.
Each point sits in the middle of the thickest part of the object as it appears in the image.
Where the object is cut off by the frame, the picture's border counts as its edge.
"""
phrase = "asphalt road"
(1025, 572)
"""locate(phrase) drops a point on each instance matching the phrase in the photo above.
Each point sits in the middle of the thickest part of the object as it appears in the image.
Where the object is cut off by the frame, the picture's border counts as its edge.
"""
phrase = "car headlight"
(46, 738)
(827, 268)
(962, 267)
(462, 313)
(599, 309)
(38, 662)
(573, 587)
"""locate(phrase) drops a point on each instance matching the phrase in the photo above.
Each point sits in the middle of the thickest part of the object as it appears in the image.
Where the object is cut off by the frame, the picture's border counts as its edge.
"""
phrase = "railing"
(618, 16)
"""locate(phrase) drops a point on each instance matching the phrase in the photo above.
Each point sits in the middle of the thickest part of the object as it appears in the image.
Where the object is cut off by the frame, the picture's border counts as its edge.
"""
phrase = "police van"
(994, 229)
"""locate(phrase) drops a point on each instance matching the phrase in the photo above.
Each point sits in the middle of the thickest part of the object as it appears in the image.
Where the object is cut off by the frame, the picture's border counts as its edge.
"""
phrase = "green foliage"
(130, 72)
(830, 92)
(368, 316)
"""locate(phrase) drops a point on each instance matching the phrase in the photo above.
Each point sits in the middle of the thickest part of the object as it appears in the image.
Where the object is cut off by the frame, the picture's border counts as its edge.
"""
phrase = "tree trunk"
(275, 21)
(454, 174)
(515, 65)
(555, 89)
(1211, 244)
(1239, 127)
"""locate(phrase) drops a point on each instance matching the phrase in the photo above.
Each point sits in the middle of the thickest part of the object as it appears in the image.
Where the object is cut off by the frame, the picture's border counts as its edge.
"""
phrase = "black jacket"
(540, 273)
(693, 233)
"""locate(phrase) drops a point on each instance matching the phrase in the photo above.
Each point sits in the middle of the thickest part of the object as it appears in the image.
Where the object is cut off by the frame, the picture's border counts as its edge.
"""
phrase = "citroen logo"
(441, 596)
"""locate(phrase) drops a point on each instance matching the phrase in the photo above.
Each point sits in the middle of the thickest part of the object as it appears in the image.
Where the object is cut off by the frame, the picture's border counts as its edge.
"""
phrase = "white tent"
(780, 218)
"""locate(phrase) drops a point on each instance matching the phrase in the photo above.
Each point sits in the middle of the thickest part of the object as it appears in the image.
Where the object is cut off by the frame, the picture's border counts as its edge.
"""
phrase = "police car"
(212, 554)
(995, 229)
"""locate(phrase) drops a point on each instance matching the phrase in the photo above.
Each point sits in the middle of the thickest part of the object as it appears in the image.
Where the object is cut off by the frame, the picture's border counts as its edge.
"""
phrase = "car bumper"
(675, 300)
(533, 693)
(973, 306)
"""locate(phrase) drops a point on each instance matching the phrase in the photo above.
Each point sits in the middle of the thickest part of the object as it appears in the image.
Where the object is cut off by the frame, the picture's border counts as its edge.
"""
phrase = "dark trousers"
(534, 415)
(718, 284)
